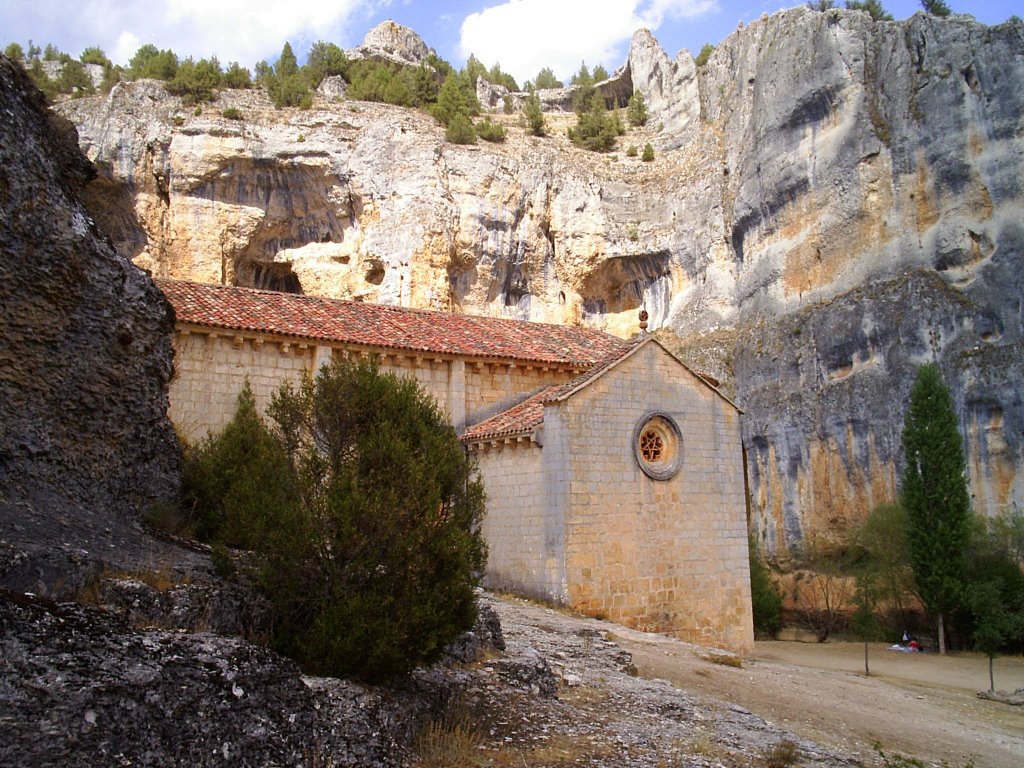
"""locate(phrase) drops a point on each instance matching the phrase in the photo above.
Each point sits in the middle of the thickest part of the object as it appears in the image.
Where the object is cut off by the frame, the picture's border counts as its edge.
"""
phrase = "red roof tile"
(378, 325)
(518, 419)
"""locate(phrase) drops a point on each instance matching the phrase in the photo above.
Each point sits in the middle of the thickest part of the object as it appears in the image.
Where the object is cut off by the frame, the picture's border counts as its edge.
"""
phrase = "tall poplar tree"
(934, 493)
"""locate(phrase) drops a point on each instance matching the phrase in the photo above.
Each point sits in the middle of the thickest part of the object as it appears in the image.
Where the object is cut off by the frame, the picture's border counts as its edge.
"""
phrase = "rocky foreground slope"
(833, 202)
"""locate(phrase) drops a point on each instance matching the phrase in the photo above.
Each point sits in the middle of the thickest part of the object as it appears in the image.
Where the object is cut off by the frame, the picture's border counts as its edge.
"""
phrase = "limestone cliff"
(833, 201)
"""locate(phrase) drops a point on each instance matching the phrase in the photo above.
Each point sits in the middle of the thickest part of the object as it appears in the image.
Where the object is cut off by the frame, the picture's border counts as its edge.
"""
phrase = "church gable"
(629, 496)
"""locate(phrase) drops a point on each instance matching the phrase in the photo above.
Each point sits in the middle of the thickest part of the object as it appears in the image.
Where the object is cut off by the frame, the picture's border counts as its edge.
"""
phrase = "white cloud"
(525, 35)
(234, 30)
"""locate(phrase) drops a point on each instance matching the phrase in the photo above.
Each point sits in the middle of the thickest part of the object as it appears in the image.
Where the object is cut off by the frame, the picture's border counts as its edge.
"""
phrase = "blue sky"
(522, 35)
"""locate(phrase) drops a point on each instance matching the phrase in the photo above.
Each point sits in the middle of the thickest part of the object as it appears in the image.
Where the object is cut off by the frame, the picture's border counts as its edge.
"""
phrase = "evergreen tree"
(872, 7)
(286, 84)
(148, 61)
(286, 63)
(648, 154)
(596, 129)
(195, 81)
(453, 100)
(74, 79)
(14, 52)
(95, 55)
(600, 73)
(583, 77)
(490, 131)
(372, 572)
(936, 7)
(705, 53)
(496, 76)
(237, 76)
(934, 494)
(460, 130)
(535, 123)
(325, 60)
(765, 598)
(546, 79)
(636, 111)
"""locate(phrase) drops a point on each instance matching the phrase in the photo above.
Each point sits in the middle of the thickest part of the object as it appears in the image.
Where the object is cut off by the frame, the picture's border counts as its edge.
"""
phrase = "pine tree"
(936, 7)
(873, 8)
(934, 493)
(546, 79)
(637, 109)
(535, 125)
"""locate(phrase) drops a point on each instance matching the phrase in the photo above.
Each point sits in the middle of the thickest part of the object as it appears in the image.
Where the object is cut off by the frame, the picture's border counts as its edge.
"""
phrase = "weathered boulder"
(85, 358)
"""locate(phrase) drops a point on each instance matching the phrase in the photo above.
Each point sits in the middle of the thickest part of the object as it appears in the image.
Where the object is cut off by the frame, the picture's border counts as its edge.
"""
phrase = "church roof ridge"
(382, 325)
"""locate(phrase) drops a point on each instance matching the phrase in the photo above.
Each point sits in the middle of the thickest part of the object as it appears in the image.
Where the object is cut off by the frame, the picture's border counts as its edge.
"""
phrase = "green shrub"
(237, 483)
(460, 130)
(15, 52)
(489, 131)
(148, 61)
(705, 53)
(535, 123)
(596, 129)
(648, 154)
(874, 8)
(196, 81)
(373, 572)
(325, 60)
(765, 597)
(631, 152)
(636, 112)
(232, 113)
(364, 509)
(237, 76)
(546, 79)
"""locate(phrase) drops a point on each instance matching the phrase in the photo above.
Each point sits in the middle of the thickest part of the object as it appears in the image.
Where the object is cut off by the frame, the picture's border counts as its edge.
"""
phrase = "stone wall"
(666, 556)
(524, 520)
(210, 370)
(211, 366)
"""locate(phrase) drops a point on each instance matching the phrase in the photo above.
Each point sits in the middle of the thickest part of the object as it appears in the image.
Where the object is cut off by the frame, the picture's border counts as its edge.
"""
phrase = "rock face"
(78, 685)
(85, 358)
(389, 41)
(816, 175)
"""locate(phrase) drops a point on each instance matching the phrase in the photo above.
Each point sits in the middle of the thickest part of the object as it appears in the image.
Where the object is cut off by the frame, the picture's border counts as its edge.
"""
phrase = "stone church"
(614, 473)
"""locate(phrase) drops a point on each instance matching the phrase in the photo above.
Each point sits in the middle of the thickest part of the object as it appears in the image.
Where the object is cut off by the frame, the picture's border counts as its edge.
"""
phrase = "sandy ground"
(919, 705)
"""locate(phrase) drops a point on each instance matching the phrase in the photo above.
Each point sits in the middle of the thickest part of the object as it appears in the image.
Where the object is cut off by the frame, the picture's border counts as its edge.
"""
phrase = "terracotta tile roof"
(519, 419)
(378, 325)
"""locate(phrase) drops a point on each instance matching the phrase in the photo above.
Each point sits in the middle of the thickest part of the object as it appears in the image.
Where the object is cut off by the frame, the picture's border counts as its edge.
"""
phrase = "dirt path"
(918, 705)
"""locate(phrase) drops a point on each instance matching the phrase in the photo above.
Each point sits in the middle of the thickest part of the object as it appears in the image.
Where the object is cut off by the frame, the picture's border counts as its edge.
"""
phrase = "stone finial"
(643, 320)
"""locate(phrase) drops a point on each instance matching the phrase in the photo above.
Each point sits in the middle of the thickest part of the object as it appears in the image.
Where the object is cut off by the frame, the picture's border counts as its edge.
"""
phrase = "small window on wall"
(658, 446)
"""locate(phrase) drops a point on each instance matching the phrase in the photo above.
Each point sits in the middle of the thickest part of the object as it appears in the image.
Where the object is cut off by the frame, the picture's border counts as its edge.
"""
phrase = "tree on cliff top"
(871, 7)
(934, 494)
(546, 79)
(936, 7)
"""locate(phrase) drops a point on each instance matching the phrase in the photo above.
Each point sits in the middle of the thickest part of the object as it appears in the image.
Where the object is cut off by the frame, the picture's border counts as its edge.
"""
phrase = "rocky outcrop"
(85, 358)
(389, 41)
(78, 685)
(818, 168)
